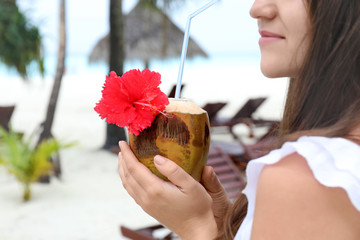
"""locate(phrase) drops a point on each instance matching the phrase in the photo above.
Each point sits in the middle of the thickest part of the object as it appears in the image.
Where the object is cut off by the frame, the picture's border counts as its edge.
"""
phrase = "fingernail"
(159, 160)
(213, 174)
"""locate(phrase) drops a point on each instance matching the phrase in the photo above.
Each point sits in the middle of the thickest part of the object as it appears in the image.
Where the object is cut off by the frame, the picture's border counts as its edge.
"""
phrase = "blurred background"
(53, 77)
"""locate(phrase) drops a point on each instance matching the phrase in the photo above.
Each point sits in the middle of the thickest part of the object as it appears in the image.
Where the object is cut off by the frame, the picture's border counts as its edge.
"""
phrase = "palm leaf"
(26, 162)
(15, 154)
(21, 42)
(40, 158)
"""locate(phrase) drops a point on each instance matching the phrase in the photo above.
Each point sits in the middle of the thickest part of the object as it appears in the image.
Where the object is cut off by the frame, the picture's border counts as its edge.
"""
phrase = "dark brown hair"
(326, 94)
(324, 99)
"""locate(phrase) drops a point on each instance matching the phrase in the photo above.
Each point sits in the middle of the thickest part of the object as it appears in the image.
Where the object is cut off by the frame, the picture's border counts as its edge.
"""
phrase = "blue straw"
(185, 45)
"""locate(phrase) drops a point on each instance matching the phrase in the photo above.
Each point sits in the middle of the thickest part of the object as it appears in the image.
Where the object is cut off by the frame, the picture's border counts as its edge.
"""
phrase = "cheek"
(299, 39)
(286, 58)
(276, 64)
(299, 56)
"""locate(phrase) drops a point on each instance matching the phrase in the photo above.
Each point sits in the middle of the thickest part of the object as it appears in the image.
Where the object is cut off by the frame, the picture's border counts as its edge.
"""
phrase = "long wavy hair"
(325, 97)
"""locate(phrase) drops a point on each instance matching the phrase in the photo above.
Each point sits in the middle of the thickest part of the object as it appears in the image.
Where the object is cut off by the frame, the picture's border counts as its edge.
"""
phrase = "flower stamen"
(117, 106)
(154, 108)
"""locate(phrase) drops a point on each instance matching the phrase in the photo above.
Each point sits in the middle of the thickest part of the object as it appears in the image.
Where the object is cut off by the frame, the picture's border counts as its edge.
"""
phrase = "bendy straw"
(185, 45)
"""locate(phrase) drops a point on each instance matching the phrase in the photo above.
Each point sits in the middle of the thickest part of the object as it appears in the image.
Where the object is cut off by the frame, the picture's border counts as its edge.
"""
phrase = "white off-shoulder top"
(335, 162)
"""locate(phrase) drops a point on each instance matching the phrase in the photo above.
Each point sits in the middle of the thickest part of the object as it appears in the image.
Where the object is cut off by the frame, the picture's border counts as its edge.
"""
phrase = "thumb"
(211, 182)
(217, 192)
(172, 171)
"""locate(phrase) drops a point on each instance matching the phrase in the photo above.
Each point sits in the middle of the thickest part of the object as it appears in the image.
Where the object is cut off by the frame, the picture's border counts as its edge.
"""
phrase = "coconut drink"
(182, 135)
(174, 128)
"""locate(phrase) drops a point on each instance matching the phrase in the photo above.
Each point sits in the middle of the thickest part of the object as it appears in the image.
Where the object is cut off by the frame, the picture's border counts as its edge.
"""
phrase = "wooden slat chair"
(243, 116)
(173, 90)
(5, 115)
(213, 109)
(147, 233)
(242, 153)
(230, 177)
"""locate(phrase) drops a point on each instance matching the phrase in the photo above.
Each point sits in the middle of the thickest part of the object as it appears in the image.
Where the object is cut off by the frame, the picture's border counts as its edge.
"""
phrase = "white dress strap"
(335, 162)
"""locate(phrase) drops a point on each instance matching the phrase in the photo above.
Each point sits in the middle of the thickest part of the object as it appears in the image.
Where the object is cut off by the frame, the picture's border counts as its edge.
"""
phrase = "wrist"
(206, 230)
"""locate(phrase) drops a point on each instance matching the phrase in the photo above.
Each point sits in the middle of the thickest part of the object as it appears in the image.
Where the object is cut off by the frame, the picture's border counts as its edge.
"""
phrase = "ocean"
(223, 78)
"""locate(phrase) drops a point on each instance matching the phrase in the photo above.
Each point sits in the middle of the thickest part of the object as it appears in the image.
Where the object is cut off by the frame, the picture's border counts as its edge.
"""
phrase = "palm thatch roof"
(149, 34)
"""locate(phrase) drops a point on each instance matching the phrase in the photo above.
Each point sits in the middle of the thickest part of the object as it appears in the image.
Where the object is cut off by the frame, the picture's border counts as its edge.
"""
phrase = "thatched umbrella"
(149, 34)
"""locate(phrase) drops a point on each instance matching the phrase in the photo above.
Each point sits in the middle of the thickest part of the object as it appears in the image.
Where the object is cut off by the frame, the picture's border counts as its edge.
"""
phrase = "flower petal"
(132, 100)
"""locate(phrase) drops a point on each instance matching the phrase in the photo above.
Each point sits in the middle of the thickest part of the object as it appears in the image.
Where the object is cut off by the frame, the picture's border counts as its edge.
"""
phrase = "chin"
(273, 72)
(270, 73)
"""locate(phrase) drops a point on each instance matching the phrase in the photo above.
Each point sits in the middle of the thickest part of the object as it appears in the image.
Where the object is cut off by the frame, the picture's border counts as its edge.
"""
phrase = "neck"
(354, 135)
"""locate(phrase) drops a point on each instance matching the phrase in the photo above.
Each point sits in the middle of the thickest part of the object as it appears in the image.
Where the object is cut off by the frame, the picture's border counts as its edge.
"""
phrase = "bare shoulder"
(292, 204)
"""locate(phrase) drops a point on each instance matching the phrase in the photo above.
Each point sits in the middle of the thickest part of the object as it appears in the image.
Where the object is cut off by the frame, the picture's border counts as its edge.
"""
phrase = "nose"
(263, 9)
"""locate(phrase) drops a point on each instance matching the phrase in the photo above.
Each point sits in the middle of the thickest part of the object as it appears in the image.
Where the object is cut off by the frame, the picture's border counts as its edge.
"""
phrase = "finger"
(142, 185)
(123, 171)
(125, 178)
(139, 193)
(130, 184)
(120, 168)
(130, 162)
(135, 170)
(173, 172)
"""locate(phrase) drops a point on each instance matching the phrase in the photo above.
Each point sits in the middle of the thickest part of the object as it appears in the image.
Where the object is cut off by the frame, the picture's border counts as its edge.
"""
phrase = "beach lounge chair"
(242, 153)
(212, 109)
(173, 89)
(5, 116)
(262, 145)
(229, 175)
(243, 116)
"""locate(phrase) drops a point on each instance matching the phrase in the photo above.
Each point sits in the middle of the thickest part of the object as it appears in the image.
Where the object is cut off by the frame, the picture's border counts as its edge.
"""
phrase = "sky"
(224, 28)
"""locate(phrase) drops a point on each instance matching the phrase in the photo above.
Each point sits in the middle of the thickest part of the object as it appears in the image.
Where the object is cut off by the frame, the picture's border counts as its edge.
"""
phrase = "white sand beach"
(89, 202)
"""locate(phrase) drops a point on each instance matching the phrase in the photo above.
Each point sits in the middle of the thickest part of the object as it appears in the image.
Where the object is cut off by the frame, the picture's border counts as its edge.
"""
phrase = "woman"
(309, 188)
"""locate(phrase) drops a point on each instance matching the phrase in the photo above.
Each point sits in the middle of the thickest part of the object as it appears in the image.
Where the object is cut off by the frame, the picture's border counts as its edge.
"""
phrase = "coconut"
(181, 135)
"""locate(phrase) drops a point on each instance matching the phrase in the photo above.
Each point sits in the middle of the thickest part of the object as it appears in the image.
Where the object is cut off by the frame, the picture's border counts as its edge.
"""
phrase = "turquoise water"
(226, 78)
(78, 64)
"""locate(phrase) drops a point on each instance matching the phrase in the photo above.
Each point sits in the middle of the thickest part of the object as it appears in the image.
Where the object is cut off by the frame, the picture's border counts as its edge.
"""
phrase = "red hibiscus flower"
(132, 100)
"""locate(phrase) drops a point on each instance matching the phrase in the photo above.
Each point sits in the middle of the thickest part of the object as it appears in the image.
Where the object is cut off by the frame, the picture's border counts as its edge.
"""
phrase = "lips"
(264, 33)
(269, 37)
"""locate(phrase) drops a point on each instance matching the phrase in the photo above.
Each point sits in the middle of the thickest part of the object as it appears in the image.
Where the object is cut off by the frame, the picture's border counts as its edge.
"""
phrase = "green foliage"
(26, 162)
(20, 42)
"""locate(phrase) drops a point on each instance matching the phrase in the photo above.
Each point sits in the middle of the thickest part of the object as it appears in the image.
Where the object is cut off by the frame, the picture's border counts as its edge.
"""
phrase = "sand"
(89, 202)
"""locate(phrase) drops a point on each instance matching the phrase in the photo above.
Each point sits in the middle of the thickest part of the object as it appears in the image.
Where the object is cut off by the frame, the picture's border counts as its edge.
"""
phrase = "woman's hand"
(221, 203)
(183, 205)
